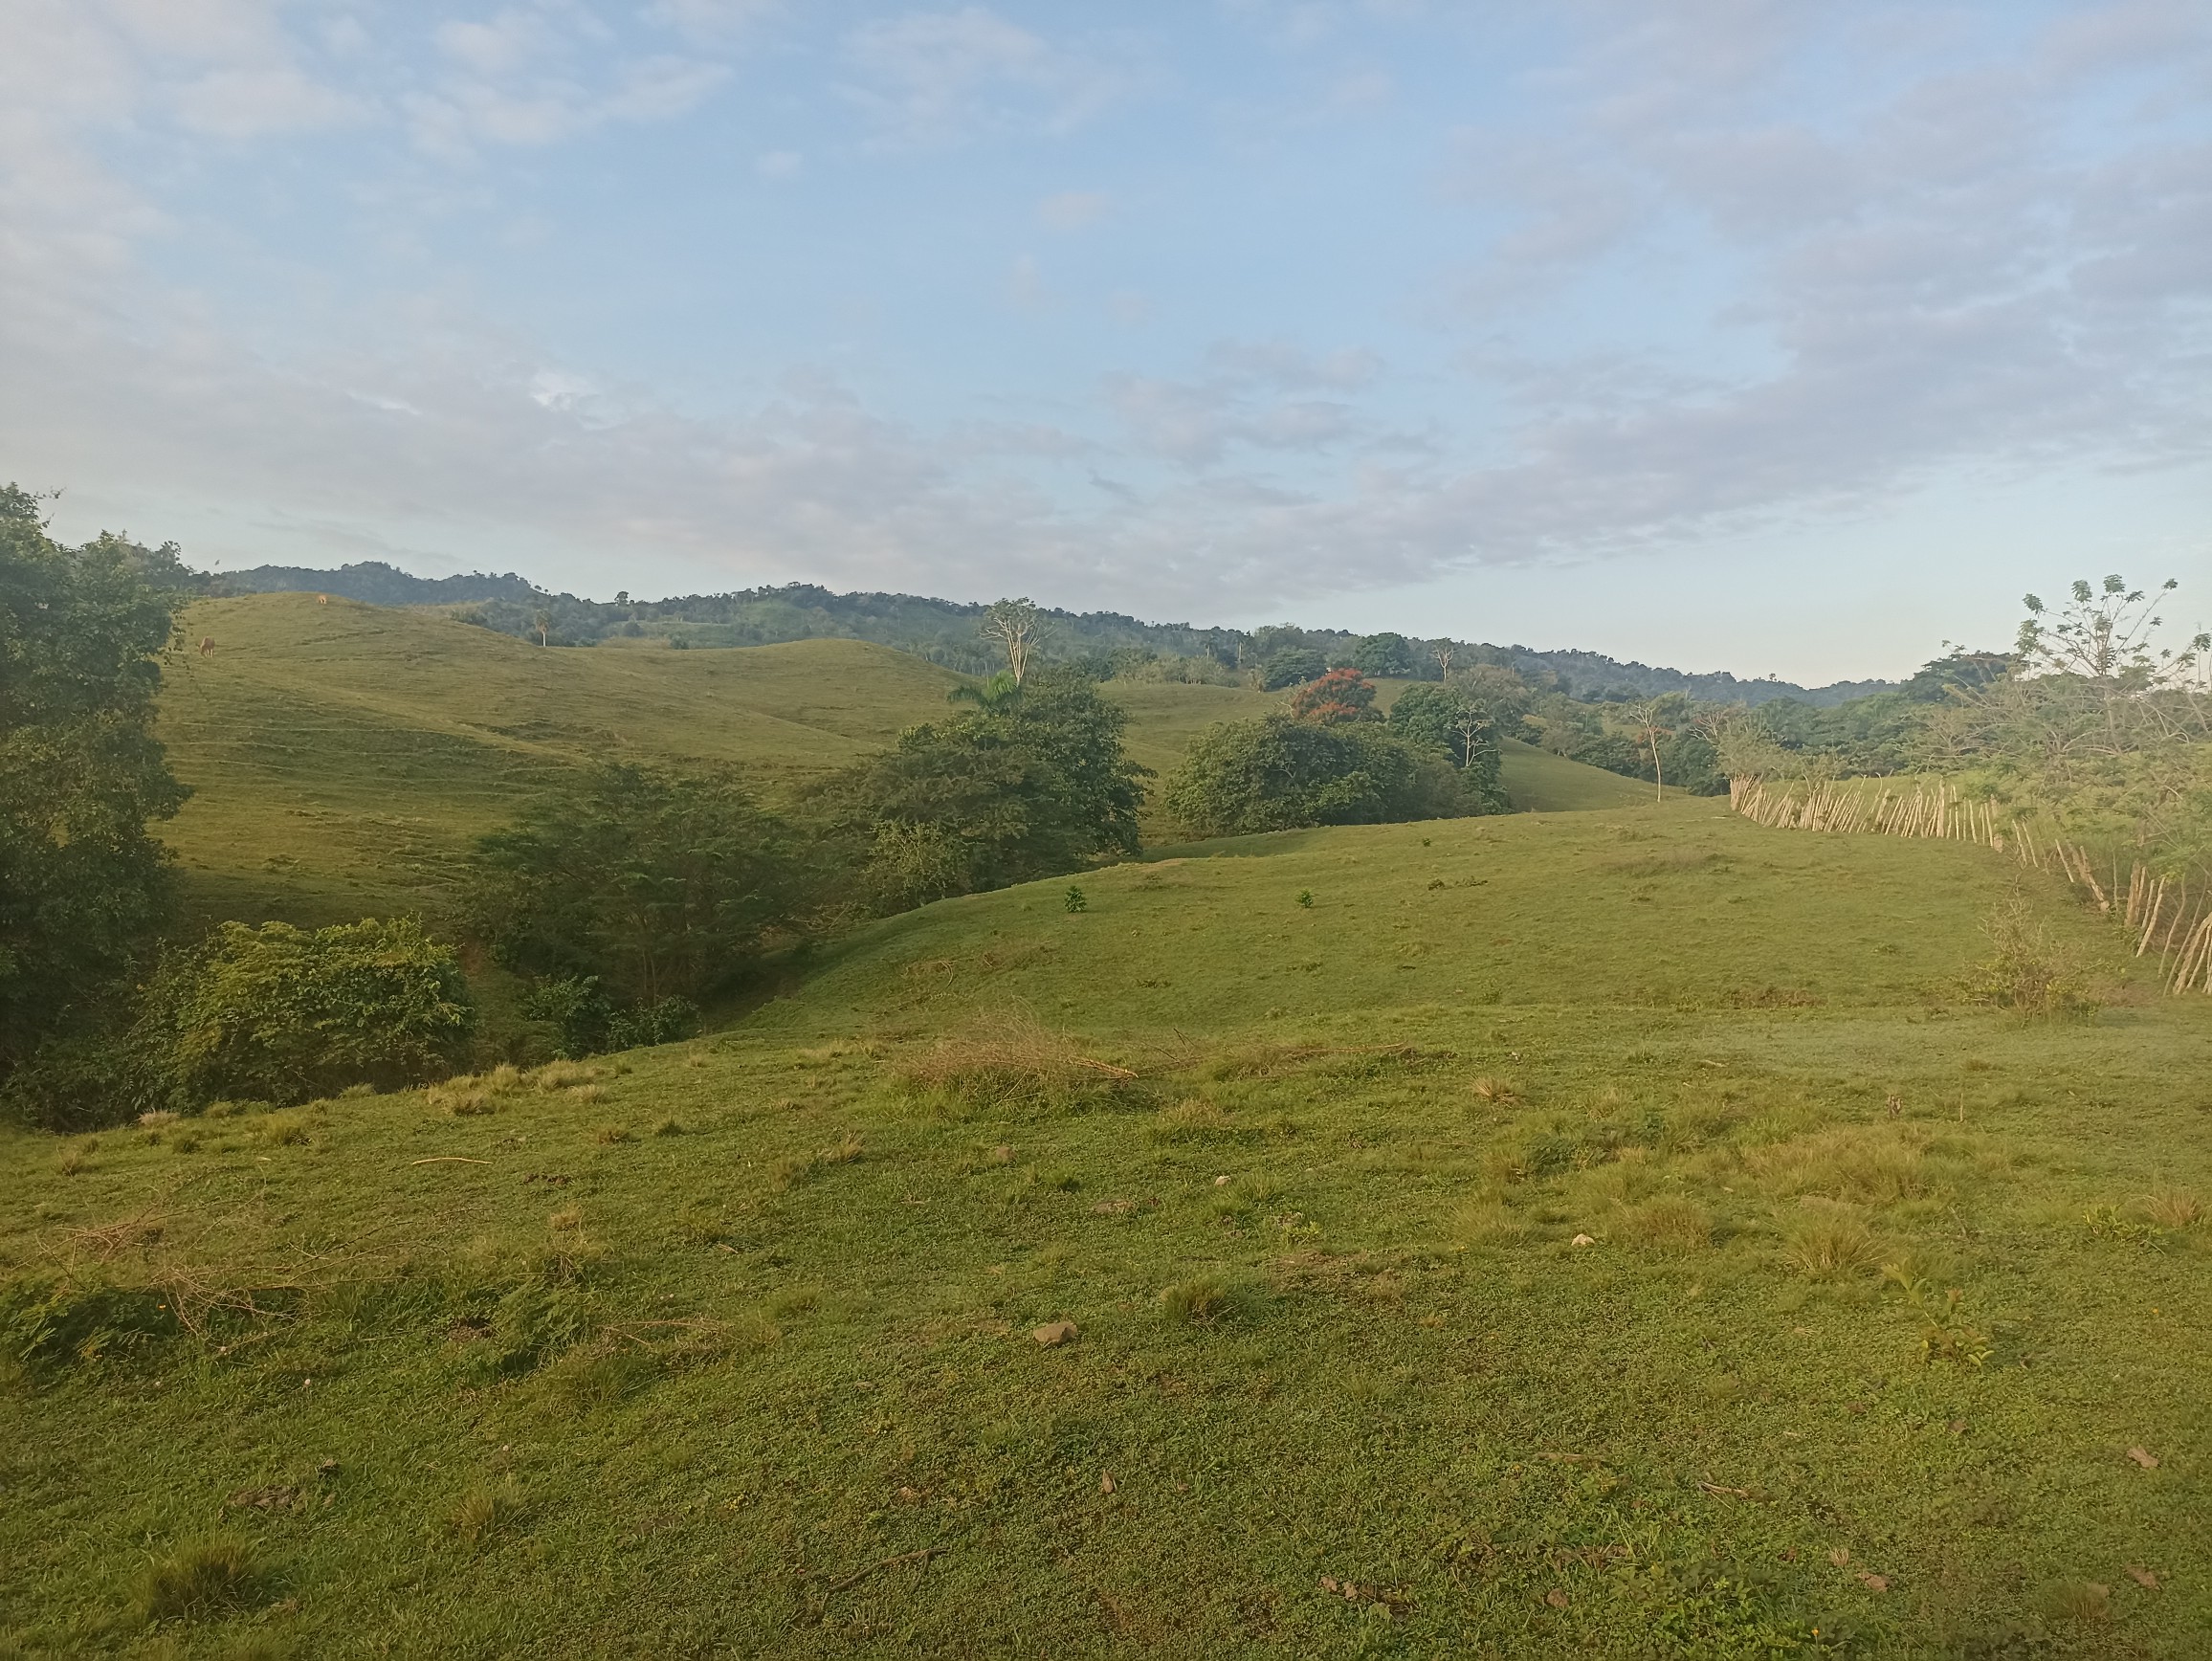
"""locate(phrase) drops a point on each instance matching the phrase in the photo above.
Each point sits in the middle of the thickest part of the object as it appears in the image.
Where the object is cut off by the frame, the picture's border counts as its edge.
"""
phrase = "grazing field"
(1461, 1238)
(344, 756)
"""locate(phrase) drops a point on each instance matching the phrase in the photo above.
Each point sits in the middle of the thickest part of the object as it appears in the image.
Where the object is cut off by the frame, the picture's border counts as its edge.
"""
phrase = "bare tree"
(1649, 727)
(543, 622)
(1441, 652)
(1017, 626)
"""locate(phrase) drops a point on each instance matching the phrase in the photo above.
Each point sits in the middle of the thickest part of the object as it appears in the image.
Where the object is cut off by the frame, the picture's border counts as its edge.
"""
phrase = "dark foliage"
(654, 885)
(82, 884)
(1032, 783)
(1278, 774)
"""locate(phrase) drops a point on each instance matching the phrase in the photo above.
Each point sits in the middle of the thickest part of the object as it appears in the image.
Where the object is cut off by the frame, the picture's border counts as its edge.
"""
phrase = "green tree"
(82, 884)
(1385, 654)
(1463, 726)
(658, 884)
(1293, 666)
(283, 1014)
(1032, 786)
(1277, 774)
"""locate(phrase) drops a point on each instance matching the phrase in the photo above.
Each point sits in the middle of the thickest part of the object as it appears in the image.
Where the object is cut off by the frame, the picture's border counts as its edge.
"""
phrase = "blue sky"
(1737, 334)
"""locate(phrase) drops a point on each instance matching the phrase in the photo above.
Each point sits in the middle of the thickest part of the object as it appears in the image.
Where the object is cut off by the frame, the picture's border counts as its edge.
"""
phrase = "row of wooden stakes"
(1938, 808)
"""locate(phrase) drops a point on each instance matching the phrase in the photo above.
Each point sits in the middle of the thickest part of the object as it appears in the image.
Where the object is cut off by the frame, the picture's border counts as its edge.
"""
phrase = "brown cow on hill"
(207, 646)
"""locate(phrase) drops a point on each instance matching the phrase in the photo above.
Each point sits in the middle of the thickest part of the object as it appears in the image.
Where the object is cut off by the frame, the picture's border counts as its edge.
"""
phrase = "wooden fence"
(2174, 917)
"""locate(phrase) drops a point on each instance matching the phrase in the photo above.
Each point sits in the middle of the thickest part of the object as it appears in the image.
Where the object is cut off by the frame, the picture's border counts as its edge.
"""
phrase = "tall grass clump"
(1827, 1240)
(1672, 1224)
(1865, 1164)
(202, 1577)
(1204, 1299)
(1006, 1060)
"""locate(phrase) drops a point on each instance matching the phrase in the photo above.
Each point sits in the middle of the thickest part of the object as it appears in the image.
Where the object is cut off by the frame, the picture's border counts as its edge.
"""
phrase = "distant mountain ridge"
(943, 630)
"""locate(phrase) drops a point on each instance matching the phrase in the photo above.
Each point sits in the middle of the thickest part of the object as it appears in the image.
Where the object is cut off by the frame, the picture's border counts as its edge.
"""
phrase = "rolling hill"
(1456, 1238)
(344, 756)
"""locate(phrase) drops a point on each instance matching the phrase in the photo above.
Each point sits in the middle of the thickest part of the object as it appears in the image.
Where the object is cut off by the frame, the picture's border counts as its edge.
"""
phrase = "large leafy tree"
(1032, 783)
(1278, 774)
(658, 885)
(82, 775)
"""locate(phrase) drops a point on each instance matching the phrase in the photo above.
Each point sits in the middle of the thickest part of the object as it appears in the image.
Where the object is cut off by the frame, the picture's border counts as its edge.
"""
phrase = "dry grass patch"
(1672, 1224)
(1869, 1164)
(203, 1578)
(2173, 1208)
(1008, 1059)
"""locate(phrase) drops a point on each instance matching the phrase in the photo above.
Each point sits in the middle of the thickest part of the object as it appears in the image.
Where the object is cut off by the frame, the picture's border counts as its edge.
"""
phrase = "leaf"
(2144, 1578)
(1557, 1597)
(2148, 1461)
(1874, 1583)
(1105, 1482)
(1841, 1556)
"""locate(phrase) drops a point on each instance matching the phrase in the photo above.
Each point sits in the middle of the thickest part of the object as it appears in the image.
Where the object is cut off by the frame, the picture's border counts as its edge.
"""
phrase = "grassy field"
(1472, 1235)
(344, 756)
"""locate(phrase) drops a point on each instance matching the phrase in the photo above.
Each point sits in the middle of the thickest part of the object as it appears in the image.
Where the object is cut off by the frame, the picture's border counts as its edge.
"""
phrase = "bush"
(587, 1023)
(1032, 784)
(651, 885)
(281, 1014)
(2028, 972)
(1278, 774)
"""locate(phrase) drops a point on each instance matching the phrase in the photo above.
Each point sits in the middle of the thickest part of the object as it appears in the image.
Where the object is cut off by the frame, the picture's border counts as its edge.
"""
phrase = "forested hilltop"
(945, 631)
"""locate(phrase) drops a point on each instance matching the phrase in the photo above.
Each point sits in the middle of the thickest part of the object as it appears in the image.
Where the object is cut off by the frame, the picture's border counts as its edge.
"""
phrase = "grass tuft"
(2174, 1209)
(1828, 1240)
(1204, 1299)
(1672, 1224)
(1006, 1060)
(483, 1512)
(202, 1577)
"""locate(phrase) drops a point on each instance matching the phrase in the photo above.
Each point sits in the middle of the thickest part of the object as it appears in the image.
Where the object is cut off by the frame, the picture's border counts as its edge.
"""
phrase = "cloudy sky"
(1744, 334)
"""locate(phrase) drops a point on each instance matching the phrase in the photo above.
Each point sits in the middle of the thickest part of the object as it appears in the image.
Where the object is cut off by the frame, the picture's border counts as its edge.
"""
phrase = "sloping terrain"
(344, 756)
(1472, 1235)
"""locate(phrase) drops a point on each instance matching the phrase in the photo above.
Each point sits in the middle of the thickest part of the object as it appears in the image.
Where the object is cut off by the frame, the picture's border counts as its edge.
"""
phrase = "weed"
(1672, 1224)
(561, 1074)
(1306, 899)
(1871, 1166)
(283, 1130)
(1944, 1333)
(73, 1160)
(1194, 1119)
(204, 1577)
(2174, 1209)
(1498, 1091)
(1006, 1060)
(1073, 901)
(1202, 1300)
(2111, 1223)
(586, 1091)
(565, 1220)
(2077, 1603)
(843, 1152)
(483, 1511)
(2028, 972)
(668, 1127)
(1483, 1223)
(586, 1378)
(357, 1092)
(1828, 1240)
(609, 1135)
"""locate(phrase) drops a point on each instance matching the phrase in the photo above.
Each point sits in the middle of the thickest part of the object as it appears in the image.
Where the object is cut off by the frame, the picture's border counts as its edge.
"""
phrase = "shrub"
(644, 888)
(2028, 972)
(1278, 774)
(281, 1014)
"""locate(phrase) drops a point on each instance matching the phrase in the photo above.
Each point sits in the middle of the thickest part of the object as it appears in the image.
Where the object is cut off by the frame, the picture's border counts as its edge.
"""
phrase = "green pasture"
(344, 756)
(729, 1349)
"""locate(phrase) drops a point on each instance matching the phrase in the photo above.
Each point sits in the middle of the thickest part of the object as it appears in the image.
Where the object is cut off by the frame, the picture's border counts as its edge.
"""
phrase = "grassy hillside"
(728, 1347)
(344, 756)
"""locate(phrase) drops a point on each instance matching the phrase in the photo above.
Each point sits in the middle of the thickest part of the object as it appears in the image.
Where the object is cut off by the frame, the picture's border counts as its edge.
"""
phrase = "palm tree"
(998, 693)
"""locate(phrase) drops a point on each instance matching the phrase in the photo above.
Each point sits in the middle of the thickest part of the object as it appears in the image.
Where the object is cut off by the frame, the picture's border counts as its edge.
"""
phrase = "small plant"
(611, 1134)
(1944, 1333)
(1074, 899)
(1306, 898)
(202, 1577)
(483, 1511)
(2028, 972)
(1496, 1091)
(668, 1127)
(2110, 1223)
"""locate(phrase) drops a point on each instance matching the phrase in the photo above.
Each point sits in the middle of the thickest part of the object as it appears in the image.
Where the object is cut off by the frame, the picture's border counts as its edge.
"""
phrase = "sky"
(1727, 334)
